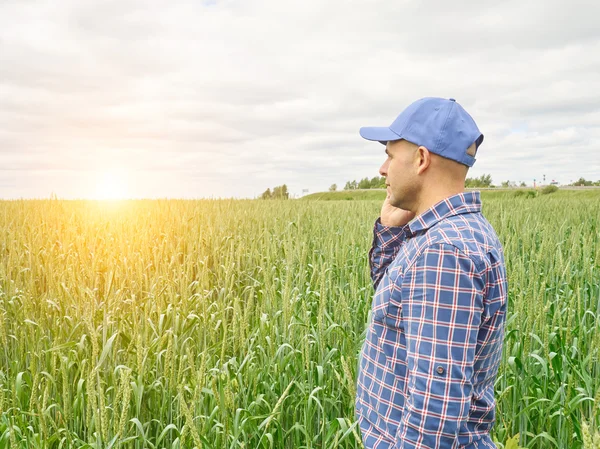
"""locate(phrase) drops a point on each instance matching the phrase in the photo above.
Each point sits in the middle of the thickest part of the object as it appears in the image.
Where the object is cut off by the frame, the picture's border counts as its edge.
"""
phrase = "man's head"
(430, 147)
(414, 173)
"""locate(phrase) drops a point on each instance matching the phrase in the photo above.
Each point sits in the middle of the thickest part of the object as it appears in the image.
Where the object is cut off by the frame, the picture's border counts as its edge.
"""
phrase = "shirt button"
(440, 370)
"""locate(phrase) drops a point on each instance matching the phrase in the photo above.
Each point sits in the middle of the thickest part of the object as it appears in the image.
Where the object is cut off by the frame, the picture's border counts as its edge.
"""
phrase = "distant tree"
(377, 182)
(583, 182)
(279, 192)
(522, 184)
(351, 185)
(364, 183)
(333, 187)
(267, 195)
(482, 181)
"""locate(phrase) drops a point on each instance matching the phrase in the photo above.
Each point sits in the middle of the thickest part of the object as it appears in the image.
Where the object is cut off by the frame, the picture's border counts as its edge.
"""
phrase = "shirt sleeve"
(442, 305)
(387, 241)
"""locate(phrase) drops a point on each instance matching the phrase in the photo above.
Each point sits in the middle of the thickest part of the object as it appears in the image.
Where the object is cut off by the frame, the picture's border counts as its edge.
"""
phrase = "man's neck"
(435, 197)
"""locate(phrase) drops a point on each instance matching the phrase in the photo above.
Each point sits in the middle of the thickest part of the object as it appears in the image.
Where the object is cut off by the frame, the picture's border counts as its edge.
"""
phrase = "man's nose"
(383, 169)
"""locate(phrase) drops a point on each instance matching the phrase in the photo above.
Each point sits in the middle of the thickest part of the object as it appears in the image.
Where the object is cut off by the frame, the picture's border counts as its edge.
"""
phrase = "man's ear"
(422, 159)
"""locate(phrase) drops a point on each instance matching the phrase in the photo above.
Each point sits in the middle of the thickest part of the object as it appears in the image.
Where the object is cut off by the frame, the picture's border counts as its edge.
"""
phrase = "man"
(434, 343)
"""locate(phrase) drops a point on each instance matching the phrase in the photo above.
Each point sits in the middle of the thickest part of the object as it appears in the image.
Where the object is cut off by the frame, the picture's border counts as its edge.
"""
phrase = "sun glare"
(111, 185)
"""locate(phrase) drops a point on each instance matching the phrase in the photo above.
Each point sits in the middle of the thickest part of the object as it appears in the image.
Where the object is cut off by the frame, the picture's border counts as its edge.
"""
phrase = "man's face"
(400, 172)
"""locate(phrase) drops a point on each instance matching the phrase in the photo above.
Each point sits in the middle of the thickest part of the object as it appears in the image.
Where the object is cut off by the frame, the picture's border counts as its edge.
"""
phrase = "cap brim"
(379, 134)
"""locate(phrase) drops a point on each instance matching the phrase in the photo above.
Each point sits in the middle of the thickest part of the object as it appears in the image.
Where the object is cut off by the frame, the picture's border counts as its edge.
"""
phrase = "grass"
(230, 324)
(346, 195)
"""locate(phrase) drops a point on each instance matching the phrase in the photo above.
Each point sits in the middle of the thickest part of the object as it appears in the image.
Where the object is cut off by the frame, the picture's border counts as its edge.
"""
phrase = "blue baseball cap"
(440, 125)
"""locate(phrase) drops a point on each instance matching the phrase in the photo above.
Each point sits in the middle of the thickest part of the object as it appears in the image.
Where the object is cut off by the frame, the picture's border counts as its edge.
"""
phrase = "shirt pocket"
(387, 301)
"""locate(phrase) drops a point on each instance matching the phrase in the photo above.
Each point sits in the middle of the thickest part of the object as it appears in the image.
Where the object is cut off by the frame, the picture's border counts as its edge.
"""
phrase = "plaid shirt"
(434, 341)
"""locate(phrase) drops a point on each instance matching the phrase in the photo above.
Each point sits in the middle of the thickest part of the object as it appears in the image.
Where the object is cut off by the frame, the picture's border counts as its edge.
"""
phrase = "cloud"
(227, 98)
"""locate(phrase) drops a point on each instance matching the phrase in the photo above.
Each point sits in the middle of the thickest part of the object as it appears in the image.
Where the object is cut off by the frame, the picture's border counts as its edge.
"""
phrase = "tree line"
(378, 182)
(585, 182)
(485, 180)
(278, 193)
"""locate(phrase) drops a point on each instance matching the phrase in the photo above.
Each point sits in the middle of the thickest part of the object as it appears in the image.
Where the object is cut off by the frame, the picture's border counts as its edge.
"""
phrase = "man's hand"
(394, 216)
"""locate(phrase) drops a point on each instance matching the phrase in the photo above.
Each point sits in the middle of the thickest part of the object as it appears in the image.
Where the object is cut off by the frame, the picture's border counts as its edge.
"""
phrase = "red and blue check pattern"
(434, 341)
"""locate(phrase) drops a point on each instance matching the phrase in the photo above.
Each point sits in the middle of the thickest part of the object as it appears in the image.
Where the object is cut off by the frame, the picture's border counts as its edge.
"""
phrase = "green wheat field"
(238, 323)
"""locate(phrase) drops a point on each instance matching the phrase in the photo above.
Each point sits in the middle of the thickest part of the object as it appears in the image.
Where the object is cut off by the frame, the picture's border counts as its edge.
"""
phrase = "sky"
(216, 99)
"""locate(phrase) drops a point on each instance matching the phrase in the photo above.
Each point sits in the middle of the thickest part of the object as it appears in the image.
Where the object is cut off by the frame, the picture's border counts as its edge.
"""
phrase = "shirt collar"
(461, 203)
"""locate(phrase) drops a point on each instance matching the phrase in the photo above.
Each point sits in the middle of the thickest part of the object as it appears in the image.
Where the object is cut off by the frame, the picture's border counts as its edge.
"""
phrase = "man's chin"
(395, 202)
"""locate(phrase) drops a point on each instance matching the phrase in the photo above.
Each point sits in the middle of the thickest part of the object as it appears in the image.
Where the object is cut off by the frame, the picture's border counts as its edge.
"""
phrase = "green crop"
(237, 323)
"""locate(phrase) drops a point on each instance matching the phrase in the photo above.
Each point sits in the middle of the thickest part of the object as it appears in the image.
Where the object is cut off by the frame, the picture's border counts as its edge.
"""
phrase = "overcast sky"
(195, 99)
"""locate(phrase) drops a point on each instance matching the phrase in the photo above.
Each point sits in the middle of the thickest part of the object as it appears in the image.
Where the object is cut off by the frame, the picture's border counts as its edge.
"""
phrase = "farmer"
(434, 343)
